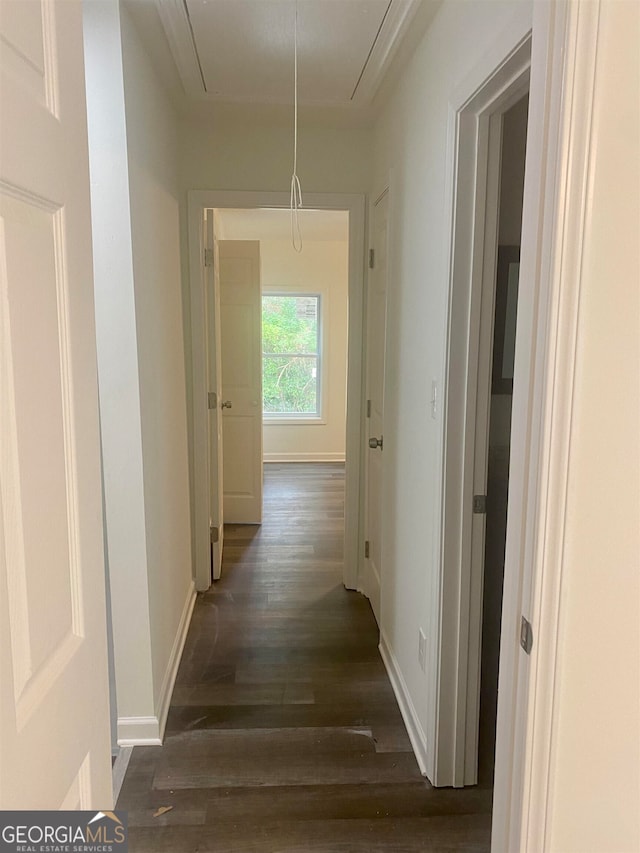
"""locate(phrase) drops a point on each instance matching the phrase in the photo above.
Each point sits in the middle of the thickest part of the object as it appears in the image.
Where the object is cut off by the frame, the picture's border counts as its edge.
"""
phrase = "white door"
(54, 710)
(214, 374)
(376, 331)
(241, 321)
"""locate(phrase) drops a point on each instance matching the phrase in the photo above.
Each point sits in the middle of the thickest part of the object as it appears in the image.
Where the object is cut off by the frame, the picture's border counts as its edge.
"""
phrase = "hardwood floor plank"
(264, 673)
(317, 802)
(245, 694)
(248, 771)
(285, 716)
(444, 834)
(342, 802)
(270, 743)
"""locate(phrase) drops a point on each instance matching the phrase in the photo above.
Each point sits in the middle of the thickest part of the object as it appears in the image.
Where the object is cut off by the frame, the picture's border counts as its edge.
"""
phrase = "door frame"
(477, 132)
(555, 217)
(371, 581)
(354, 204)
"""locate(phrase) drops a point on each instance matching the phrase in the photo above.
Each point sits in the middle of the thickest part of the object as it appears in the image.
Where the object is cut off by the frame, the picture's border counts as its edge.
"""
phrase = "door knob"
(375, 442)
(226, 404)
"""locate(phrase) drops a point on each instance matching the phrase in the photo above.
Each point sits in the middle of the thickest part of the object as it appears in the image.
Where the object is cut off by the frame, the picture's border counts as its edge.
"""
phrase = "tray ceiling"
(242, 50)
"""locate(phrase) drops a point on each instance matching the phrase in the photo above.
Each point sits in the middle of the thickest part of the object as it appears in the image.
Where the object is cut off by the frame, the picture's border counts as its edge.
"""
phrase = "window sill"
(284, 421)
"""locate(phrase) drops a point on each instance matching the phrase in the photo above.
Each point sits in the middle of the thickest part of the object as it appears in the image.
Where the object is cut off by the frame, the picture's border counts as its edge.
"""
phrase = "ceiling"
(241, 51)
(271, 224)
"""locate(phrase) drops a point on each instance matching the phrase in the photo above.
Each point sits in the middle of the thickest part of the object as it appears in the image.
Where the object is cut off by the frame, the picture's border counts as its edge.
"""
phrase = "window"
(291, 355)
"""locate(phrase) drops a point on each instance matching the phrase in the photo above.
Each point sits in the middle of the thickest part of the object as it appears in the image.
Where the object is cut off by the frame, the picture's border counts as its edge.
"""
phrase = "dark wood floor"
(284, 733)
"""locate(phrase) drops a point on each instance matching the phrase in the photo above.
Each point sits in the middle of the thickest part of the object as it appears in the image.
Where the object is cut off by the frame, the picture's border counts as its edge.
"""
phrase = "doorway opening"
(304, 329)
(512, 163)
(282, 351)
(331, 331)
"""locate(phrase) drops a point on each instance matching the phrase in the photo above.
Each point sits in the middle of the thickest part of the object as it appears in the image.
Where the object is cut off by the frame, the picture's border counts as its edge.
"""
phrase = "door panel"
(239, 454)
(376, 339)
(53, 664)
(238, 348)
(241, 334)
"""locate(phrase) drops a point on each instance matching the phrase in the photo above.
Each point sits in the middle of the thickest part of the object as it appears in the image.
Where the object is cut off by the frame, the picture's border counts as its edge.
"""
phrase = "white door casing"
(474, 132)
(479, 401)
(581, 58)
(52, 596)
(199, 200)
(376, 338)
(214, 373)
(241, 335)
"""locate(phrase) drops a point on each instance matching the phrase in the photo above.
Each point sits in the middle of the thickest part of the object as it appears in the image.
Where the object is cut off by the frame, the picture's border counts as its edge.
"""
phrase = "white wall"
(155, 228)
(251, 148)
(411, 138)
(133, 160)
(595, 769)
(118, 378)
(321, 267)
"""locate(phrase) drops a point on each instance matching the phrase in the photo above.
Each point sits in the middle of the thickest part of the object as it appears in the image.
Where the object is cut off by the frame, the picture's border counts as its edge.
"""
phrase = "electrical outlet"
(434, 398)
(422, 649)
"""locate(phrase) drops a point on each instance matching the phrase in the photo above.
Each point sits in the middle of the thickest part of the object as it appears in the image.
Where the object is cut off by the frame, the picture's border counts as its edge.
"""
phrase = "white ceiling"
(241, 51)
(315, 225)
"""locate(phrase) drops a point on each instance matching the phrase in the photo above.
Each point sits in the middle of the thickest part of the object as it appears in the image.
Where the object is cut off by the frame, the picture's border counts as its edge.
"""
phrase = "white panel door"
(241, 316)
(214, 373)
(54, 716)
(376, 332)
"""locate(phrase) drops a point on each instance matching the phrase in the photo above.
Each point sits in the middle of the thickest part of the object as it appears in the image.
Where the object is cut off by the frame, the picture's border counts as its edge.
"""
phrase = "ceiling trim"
(396, 23)
(177, 25)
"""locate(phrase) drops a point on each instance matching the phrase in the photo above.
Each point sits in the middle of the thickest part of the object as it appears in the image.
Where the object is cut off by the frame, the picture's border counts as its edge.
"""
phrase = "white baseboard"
(304, 457)
(407, 708)
(164, 700)
(149, 731)
(139, 731)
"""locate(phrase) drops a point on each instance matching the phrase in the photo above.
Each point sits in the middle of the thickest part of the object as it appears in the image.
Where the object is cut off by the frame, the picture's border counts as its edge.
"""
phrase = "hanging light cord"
(296, 191)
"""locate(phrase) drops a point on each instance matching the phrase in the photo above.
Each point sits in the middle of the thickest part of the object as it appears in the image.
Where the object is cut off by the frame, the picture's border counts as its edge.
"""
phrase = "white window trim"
(294, 420)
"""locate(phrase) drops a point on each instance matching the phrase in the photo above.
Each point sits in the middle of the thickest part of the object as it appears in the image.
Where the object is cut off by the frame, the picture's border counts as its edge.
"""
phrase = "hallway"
(284, 733)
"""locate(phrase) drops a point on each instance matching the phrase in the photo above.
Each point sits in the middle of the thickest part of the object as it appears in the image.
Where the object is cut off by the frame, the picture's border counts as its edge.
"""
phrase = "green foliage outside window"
(290, 354)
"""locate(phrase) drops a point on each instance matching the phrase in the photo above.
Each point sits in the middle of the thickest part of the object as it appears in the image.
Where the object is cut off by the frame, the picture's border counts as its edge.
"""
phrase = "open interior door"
(376, 338)
(54, 708)
(241, 319)
(214, 373)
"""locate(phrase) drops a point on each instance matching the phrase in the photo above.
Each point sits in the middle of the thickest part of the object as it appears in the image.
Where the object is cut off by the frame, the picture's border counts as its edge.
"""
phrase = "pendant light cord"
(296, 191)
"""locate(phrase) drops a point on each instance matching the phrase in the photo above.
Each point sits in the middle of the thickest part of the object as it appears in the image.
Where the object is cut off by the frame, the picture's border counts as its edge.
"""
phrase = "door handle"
(226, 404)
(375, 442)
